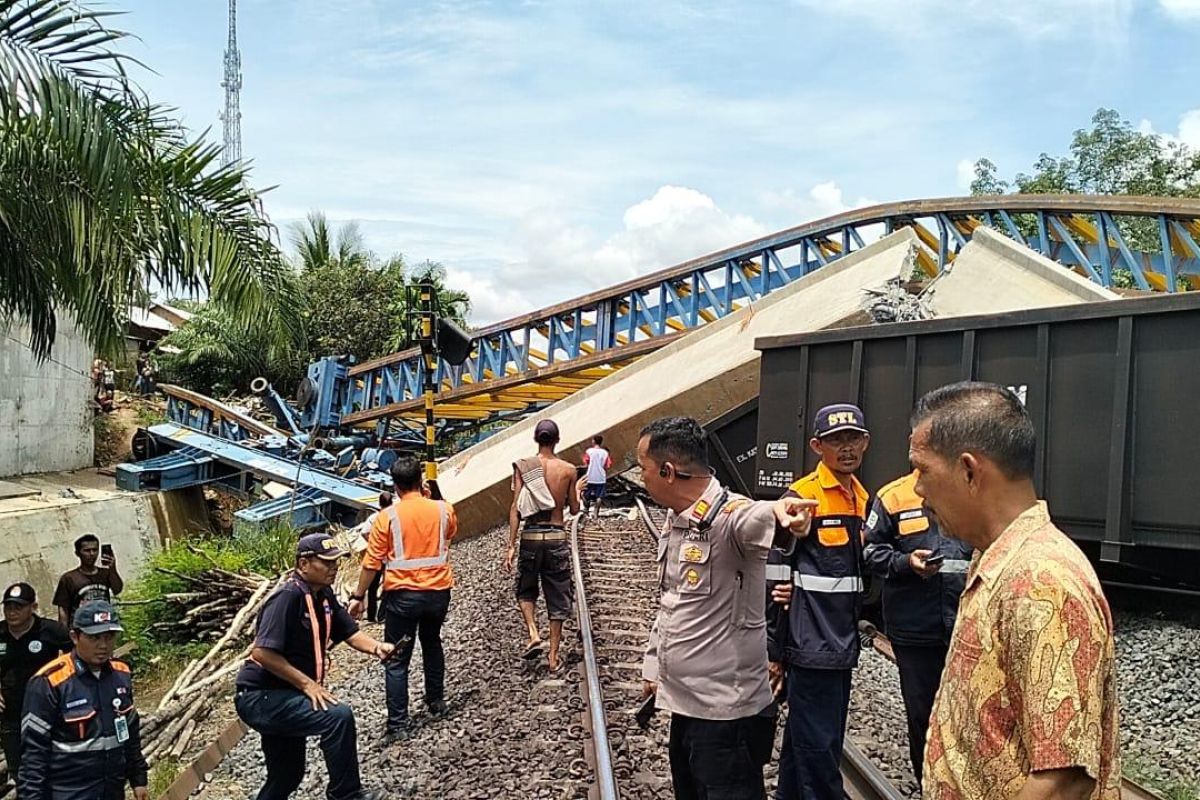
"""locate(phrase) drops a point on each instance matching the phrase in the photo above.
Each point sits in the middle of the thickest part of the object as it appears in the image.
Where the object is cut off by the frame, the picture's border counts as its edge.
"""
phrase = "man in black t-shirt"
(27, 643)
(280, 691)
(87, 581)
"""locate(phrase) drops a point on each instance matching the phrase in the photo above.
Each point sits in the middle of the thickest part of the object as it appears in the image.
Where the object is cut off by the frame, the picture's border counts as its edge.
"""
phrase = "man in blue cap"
(280, 689)
(80, 732)
(822, 644)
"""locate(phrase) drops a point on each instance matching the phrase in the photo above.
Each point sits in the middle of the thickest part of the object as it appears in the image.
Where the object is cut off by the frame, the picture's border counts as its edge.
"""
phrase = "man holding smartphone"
(923, 574)
(89, 581)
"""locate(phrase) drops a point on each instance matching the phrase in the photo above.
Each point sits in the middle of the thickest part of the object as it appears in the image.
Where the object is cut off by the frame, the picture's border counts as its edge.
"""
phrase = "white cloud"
(822, 200)
(1188, 132)
(964, 173)
(674, 225)
(490, 302)
(1181, 9)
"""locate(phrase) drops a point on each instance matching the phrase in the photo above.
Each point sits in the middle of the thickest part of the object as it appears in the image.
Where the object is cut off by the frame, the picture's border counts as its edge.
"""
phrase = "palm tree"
(103, 194)
(316, 248)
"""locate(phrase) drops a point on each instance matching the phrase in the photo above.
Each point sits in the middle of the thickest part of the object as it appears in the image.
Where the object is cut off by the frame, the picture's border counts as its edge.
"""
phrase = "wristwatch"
(358, 597)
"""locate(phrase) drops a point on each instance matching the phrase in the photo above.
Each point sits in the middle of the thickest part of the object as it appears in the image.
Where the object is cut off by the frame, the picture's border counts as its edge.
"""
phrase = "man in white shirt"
(598, 462)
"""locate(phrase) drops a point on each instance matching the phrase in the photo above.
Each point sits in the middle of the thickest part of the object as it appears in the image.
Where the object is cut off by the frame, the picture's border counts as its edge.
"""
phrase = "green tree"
(103, 193)
(1112, 157)
(355, 303)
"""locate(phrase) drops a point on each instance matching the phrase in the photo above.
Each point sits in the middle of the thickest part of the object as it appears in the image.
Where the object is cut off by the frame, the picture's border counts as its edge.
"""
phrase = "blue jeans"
(285, 718)
(408, 615)
(818, 703)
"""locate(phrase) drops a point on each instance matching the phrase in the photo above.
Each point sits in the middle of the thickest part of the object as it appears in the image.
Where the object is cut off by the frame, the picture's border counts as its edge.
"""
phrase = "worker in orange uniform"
(822, 643)
(410, 542)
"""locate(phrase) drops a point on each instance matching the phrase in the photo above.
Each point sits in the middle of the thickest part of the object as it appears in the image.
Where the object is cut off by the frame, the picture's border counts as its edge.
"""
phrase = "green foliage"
(104, 194)
(1111, 157)
(162, 775)
(267, 552)
(219, 356)
(356, 303)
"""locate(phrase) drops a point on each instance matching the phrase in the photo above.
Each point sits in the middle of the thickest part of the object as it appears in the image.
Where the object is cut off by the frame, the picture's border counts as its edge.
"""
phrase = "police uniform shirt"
(20, 658)
(286, 625)
(708, 647)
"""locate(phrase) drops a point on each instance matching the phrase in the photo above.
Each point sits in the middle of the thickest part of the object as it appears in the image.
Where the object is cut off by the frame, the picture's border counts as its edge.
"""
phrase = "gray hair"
(981, 418)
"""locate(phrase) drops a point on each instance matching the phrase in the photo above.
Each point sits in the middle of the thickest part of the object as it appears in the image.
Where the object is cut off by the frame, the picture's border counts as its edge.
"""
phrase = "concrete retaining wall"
(36, 532)
(45, 407)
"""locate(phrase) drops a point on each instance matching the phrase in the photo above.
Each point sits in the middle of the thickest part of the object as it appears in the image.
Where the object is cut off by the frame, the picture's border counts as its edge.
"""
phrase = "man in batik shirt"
(1028, 703)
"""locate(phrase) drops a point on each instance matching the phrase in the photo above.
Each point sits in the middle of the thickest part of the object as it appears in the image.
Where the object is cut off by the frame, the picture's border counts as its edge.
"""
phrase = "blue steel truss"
(1084, 233)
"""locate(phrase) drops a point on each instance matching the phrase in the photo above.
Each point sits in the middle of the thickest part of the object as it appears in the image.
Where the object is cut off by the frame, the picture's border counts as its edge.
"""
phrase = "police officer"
(80, 732)
(280, 689)
(923, 576)
(822, 645)
(707, 655)
(28, 642)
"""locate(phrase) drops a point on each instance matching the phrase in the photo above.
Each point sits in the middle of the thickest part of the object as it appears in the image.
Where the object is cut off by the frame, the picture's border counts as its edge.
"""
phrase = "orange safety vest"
(419, 556)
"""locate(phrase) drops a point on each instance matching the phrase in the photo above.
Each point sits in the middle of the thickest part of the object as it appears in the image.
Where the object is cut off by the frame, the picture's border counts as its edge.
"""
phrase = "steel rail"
(606, 780)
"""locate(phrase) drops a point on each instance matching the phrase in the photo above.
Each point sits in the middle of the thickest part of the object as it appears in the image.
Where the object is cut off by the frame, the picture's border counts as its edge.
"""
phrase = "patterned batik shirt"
(1029, 683)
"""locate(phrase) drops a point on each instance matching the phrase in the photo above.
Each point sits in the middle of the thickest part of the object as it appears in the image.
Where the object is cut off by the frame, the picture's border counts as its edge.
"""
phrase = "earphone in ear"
(662, 471)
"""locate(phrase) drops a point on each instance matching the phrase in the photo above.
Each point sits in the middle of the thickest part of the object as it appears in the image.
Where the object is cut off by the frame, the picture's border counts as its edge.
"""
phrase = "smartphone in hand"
(934, 560)
(106, 555)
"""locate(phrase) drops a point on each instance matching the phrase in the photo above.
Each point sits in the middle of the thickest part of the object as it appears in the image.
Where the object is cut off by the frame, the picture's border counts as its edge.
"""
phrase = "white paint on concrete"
(994, 274)
(45, 407)
(38, 530)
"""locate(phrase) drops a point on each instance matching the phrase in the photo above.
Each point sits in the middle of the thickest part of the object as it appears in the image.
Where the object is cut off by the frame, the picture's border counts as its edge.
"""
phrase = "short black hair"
(406, 473)
(982, 418)
(82, 540)
(385, 499)
(679, 440)
(598, 440)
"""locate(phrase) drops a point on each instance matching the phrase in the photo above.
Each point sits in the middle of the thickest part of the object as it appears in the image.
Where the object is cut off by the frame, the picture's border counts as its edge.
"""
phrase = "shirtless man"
(545, 553)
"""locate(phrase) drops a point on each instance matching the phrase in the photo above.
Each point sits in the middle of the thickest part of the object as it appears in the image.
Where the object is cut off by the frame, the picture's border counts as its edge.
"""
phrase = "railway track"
(616, 594)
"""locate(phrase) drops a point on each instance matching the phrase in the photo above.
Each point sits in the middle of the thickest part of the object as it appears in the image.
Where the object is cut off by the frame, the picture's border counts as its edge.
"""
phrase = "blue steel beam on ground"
(1085, 233)
(197, 453)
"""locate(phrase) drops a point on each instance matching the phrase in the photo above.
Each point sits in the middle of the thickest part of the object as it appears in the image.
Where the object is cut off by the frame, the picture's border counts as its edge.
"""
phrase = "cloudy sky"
(540, 150)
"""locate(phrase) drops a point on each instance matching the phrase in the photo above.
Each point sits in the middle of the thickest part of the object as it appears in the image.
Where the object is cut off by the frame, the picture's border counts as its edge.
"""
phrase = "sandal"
(533, 651)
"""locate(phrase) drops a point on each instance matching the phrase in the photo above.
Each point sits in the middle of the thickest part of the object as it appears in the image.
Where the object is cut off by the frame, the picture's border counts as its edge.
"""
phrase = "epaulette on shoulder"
(890, 487)
(58, 670)
(899, 495)
(118, 666)
(734, 504)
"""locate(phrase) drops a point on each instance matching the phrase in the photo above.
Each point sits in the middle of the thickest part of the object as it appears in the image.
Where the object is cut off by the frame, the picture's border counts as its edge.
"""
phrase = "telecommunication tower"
(231, 117)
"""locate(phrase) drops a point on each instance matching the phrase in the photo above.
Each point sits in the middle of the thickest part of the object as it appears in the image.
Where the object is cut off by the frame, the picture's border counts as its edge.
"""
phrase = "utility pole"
(231, 117)
(429, 358)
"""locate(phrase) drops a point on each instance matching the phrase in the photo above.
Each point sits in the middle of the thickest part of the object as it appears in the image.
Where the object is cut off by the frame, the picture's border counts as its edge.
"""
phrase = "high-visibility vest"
(399, 556)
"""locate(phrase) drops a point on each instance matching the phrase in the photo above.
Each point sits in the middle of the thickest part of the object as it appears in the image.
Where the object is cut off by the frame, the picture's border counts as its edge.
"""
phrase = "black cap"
(321, 545)
(839, 417)
(95, 617)
(20, 593)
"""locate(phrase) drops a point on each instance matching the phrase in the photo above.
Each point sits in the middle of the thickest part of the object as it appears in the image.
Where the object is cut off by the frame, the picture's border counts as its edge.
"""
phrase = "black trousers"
(720, 759)
(284, 718)
(818, 704)
(407, 616)
(10, 740)
(373, 597)
(920, 674)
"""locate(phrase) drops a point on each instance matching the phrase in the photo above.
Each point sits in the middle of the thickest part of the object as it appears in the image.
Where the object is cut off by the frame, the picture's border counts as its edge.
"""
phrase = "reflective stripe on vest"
(955, 566)
(399, 561)
(825, 585)
(778, 572)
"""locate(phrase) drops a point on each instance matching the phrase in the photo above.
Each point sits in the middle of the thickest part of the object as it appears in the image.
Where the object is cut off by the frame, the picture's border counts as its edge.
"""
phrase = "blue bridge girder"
(197, 457)
(552, 346)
